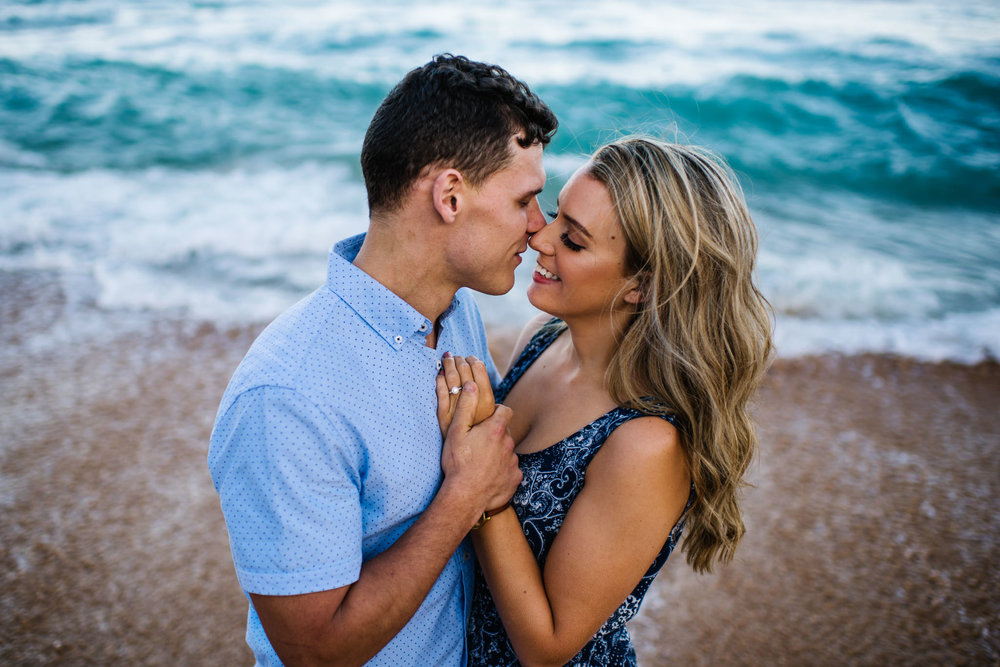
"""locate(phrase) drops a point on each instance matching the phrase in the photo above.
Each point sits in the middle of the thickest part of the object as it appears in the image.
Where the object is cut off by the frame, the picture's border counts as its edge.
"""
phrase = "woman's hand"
(455, 372)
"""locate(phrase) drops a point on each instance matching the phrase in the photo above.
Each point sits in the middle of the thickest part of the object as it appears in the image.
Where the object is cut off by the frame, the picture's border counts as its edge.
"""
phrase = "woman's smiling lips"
(542, 274)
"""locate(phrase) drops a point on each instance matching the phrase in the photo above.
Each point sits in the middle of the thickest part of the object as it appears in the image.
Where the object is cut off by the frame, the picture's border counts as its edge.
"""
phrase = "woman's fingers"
(443, 397)
(481, 376)
(445, 404)
(447, 379)
(451, 372)
(465, 410)
(457, 372)
(464, 370)
(486, 405)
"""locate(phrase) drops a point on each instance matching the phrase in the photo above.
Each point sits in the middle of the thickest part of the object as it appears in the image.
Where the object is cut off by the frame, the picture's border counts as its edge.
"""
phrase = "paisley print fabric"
(552, 479)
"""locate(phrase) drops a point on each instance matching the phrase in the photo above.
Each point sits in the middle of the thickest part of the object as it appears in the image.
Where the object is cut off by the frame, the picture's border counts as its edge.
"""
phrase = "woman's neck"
(592, 344)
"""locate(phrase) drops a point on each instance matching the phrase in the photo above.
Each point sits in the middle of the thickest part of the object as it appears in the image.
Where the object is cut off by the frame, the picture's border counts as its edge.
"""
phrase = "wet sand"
(873, 526)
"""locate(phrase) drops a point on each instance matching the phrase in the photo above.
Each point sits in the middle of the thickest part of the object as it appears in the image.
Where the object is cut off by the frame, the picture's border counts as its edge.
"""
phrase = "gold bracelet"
(489, 515)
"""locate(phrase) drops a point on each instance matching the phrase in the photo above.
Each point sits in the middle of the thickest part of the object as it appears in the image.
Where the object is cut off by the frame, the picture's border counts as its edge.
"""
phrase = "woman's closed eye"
(568, 242)
(564, 237)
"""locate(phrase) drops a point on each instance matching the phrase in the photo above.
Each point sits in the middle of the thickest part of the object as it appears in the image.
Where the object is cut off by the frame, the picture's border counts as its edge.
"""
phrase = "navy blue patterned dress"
(552, 479)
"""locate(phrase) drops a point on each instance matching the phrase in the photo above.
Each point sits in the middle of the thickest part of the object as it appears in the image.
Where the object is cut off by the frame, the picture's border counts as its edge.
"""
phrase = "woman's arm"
(635, 490)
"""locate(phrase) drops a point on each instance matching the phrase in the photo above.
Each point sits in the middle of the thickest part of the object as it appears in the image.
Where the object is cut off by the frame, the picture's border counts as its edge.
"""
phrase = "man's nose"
(536, 219)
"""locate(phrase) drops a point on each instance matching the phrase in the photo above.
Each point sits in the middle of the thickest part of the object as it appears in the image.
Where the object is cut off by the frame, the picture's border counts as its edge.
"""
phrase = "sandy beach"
(873, 524)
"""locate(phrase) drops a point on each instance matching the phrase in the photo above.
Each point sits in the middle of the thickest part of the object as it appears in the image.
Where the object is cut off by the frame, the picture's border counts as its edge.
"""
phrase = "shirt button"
(439, 364)
(466, 556)
(398, 339)
(423, 327)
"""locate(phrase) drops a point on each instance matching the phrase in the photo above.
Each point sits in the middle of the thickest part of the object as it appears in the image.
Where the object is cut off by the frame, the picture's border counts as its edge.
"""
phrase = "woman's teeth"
(545, 274)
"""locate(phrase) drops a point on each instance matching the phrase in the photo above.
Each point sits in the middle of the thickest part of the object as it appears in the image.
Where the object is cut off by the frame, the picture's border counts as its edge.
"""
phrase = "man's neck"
(402, 262)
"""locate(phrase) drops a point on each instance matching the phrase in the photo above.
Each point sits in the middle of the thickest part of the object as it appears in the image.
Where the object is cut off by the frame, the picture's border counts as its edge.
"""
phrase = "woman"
(642, 381)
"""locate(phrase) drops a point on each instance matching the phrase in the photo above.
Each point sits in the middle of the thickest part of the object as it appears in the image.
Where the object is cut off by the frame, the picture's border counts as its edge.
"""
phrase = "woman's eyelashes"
(564, 237)
(568, 242)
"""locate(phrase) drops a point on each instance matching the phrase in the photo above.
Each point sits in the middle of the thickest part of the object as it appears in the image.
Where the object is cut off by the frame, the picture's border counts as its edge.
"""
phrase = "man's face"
(499, 217)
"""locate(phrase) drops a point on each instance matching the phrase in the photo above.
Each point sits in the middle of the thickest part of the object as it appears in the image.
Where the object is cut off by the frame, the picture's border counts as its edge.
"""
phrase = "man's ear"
(447, 193)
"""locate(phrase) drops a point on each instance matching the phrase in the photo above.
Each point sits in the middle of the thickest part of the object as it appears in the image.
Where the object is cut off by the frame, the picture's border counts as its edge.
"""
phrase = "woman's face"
(581, 253)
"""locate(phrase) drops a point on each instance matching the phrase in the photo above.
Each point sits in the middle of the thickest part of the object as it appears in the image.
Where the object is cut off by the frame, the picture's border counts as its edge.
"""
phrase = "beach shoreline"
(872, 525)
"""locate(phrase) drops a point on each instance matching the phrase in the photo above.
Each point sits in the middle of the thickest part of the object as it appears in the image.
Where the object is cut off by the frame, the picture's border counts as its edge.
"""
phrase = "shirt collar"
(382, 309)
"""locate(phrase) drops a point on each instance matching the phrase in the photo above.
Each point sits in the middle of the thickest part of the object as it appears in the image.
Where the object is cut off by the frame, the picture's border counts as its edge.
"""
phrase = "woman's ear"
(447, 192)
(636, 289)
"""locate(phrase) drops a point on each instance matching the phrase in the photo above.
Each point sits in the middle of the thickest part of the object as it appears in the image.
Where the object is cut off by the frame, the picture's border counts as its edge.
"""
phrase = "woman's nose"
(540, 242)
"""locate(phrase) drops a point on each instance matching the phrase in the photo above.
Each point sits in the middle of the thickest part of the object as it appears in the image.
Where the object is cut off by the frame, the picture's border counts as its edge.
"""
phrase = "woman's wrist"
(489, 514)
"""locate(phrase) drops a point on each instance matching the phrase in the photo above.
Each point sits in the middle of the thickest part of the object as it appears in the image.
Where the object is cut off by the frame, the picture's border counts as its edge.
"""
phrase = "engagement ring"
(454, 390)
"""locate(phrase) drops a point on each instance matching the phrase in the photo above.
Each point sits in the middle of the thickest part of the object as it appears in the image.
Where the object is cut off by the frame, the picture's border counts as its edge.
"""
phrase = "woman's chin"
(535, 300)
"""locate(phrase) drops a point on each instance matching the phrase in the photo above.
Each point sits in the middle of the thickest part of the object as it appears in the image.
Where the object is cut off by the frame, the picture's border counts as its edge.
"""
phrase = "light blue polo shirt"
(326, 449)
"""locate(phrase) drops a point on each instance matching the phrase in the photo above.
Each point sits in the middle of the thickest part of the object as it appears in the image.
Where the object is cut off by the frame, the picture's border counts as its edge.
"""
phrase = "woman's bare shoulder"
(529, 330)
(649, 444)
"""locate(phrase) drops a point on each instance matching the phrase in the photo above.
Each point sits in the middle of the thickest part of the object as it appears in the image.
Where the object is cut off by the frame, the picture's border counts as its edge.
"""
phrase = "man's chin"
(495, 289)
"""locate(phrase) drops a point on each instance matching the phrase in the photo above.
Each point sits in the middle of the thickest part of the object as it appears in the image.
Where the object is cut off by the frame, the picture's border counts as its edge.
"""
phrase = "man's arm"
(349, 625)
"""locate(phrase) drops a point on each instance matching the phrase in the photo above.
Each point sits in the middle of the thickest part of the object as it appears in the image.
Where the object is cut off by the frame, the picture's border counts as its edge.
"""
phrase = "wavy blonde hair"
(700, 341)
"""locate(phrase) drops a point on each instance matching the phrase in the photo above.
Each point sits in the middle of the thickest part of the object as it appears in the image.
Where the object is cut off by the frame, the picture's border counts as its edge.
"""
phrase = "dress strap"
(538, 344)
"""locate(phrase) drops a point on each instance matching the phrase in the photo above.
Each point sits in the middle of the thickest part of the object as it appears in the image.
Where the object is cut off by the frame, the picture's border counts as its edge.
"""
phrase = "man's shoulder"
(288, 351)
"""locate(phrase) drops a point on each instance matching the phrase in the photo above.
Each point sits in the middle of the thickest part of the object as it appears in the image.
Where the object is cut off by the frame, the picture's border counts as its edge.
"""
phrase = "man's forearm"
(350, 628)
(393, 585)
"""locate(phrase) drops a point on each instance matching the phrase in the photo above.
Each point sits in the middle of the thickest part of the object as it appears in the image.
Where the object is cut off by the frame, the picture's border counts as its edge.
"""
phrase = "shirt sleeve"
(289, 482)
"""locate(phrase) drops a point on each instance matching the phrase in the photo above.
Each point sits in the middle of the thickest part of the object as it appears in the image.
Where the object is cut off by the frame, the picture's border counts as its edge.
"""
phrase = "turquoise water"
(199, 158)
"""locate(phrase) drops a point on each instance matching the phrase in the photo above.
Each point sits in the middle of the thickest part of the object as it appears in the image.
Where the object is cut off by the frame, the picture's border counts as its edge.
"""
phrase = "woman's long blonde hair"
(701, 338)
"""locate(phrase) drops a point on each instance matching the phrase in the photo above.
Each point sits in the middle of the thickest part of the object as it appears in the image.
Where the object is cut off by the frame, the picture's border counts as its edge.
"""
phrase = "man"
(346, 516)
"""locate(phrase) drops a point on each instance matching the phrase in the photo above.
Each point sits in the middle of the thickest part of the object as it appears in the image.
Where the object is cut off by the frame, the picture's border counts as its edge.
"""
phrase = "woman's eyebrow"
(577, 225)
(573, 221)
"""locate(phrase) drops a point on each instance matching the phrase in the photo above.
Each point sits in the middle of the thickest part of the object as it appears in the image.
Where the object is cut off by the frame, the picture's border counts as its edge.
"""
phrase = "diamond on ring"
(454, 390)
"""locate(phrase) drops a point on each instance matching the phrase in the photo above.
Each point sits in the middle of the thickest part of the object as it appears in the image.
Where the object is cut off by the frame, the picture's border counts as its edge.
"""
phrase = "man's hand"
(478, 459)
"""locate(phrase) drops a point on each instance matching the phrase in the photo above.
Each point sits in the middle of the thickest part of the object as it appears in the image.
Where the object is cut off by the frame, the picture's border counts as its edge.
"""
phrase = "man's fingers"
(503, 413)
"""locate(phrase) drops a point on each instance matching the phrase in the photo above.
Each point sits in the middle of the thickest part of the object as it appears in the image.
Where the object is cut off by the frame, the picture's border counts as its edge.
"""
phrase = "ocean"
(198, 159)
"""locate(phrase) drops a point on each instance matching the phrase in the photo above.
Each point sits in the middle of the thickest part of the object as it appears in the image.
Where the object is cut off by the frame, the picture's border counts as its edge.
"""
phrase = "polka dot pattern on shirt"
(326, 449)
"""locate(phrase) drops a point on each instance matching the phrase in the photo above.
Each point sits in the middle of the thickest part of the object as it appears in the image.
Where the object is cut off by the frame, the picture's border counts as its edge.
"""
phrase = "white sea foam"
(243, 244)
(959, 337)
(841, 282)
